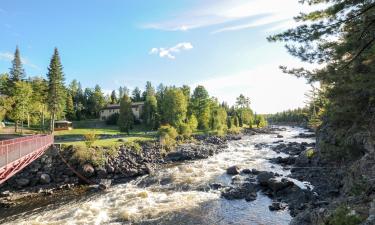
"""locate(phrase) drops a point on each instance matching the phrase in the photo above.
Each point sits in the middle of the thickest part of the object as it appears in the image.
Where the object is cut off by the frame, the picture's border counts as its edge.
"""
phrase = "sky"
(220, 44)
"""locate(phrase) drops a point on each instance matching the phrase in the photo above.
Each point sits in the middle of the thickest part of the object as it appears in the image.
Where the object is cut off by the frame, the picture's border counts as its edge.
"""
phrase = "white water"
(179, 194)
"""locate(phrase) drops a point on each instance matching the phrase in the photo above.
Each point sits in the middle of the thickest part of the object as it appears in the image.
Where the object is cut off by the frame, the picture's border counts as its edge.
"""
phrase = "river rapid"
(180, 193)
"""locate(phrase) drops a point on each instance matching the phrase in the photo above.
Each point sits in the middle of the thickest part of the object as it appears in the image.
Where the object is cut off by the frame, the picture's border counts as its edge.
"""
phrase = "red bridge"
(17, 153)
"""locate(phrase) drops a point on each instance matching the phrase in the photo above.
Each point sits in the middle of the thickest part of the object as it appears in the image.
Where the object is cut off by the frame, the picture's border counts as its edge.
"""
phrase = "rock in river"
(233, 170)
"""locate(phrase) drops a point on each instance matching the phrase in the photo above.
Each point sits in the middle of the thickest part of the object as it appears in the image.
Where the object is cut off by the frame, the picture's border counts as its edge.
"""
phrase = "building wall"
(105, 113)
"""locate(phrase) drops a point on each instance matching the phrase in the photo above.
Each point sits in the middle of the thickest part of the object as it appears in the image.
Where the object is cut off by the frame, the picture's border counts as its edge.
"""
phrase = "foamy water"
(180, 194)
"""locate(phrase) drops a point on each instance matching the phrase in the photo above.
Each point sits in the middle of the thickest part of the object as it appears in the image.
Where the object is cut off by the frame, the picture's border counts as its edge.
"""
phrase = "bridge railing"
(14, 149)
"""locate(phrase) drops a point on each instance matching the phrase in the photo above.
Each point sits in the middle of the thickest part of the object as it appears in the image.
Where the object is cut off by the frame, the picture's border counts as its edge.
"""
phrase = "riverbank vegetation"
(38, 102)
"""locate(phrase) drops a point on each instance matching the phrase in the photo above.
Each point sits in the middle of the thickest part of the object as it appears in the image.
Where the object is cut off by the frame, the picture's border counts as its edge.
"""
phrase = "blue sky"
(218, 43)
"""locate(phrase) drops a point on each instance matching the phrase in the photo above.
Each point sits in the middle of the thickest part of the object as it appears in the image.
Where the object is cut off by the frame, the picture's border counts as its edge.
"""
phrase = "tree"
(17, 73)
(97, 100)
(69, 110)
(201, 106)
(22, 99)
(39, 100)
(113, 97)
(150, 110)
(126, 117)
(136, 95)
(56, 90)
(340, 37)
(243, 102)
(174, 107)
(149, 90)
(4, 79)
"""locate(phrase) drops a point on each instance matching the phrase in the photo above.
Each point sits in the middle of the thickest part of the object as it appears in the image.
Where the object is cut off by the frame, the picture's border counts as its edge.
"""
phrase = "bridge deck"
(17, 153)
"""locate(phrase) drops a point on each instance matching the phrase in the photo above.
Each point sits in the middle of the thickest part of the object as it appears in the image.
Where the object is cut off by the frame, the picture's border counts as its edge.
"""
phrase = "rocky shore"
(57, 171)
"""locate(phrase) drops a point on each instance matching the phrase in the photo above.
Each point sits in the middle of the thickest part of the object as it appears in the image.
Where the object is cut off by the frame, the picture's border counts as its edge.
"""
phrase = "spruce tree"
(17, 73)
(56, 89)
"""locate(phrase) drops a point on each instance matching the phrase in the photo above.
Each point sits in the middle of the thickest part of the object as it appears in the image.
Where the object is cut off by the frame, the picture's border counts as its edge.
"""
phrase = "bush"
(167, 136)
(90, 138)
(185, 130)
(94, 156)
(234, 130)
(133, 146)
(310, 153)
(343, 216)
(112, 119)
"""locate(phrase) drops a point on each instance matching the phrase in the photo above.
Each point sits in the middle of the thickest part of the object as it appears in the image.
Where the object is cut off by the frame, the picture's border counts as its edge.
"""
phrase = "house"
(109, 110)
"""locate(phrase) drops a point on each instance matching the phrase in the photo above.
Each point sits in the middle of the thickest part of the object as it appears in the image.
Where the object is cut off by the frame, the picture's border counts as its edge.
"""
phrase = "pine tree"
(136, 95)
(113, 97)
(17, 73)
(126, 117)
(56, 90)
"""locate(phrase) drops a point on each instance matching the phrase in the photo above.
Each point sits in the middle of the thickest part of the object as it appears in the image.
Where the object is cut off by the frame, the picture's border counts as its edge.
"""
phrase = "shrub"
(167, 136)
(133, 146)
(234, 130)
(112, 119)
(94, 156)
(310, 153)
(185, 130)
(343, 216)
(90, 138)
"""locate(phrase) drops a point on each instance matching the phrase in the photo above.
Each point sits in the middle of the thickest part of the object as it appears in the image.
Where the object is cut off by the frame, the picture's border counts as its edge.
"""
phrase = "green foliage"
(200, 106)
(234, 130)
(112, 119)
(22, 101)
(299, 116)
(95, 156)
(193, 123)
(338, 36)
(90, 138)
(174, 107)
(343, 216)
(185, 130)
(56, 89)
(167, 136)
(132, 145)
(310, 153)
(16, 74)
(126, 118)
(260, 121)
(150, 112)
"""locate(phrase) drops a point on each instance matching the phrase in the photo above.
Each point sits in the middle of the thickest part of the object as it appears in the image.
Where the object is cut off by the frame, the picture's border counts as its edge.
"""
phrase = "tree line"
(39, 102)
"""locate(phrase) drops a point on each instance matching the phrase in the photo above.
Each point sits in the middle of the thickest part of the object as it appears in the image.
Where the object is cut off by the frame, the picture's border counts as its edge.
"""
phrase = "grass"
(82, 128)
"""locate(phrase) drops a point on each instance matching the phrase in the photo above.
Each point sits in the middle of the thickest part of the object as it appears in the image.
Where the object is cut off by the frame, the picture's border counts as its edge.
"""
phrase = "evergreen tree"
(69, 110)
(22, 102)
(200, 104)
(126, 117)
(17, 73)
(113, 97)
(56, 90)
(136, 95)
(150, 110)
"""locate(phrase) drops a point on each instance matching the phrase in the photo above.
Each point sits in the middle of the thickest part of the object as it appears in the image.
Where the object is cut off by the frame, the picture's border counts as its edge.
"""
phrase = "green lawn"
(75, 136)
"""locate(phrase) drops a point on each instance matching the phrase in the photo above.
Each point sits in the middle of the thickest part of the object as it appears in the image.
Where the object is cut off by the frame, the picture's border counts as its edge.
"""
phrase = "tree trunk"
(28, 120)
(16, 126)
(52, 122)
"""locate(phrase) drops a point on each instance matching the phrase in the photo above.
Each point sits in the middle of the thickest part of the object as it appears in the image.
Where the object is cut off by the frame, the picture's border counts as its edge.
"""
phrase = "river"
(180, 193)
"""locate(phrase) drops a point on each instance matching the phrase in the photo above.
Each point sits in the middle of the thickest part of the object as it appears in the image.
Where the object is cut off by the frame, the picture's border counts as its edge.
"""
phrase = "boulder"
(277, 206)
(279, 136)
(264, 176)
(277, 185)
(233, 170)
(88, 170)
(22, 182)
(45, 178)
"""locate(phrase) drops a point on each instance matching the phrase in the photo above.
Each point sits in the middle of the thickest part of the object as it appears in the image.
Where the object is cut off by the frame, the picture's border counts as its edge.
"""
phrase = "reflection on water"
(180, 194)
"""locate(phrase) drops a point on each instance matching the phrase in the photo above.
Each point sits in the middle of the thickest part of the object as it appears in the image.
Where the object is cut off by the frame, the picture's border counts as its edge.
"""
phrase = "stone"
(45, 178)
(88, 170)
(233, 170)
(101, 172)
(277, 206)
(22, 182)
(277, 185)
(264, 177)
(246, 171)
(216, 186)
(5, 194)
(279, 136)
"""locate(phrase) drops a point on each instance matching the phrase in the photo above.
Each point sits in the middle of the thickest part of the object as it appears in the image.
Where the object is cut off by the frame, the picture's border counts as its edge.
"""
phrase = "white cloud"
(269, 89)
(169, 52)
(224, 12)
(8, 56)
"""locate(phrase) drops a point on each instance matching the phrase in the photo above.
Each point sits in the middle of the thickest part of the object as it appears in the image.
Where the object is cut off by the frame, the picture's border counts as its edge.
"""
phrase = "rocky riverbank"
(57, 171)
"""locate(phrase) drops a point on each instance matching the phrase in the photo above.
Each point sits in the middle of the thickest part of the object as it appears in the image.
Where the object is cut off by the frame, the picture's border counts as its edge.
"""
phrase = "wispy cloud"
(8, 56)
(243, 13)
(170, 52)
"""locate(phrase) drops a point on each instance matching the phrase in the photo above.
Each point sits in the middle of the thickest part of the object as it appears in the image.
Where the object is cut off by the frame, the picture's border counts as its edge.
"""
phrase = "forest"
(36, 102)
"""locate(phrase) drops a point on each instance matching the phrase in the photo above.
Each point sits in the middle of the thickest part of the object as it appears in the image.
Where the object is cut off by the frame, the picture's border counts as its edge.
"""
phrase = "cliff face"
(354, 159)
